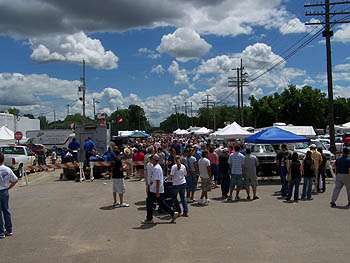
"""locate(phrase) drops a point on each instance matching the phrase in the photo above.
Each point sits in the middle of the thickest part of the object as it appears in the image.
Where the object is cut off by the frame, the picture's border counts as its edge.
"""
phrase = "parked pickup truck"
(17, 157)
(267, 159)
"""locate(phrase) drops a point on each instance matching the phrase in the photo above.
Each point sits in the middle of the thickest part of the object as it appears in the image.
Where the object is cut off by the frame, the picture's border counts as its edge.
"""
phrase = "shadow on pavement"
(343, 207)
(149, 226)
(140, 203)
(109, 207)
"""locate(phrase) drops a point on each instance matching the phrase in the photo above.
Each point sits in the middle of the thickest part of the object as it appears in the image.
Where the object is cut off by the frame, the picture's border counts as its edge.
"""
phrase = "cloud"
(184, 44)
(293, 26)
(23, 18)
(342, 34)
(180, 75)
(73, 48)
(159, 70)
(148, 53)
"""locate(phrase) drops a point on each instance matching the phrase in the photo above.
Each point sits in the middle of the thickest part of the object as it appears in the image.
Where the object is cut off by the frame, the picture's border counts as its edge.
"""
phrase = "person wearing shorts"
(236, 161)
(118, 182)
(249, 171)
(205, 175)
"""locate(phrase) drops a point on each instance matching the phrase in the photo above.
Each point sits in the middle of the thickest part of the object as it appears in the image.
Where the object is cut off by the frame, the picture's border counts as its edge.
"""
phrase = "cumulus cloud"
(158, 69)
(180, 75)
(184, 44)
(342, 34)
(293, 26)
(73, 48)
(23, 18)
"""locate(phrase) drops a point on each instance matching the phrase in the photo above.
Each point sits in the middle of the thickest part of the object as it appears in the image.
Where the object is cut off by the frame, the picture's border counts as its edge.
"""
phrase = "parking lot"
(59, 221)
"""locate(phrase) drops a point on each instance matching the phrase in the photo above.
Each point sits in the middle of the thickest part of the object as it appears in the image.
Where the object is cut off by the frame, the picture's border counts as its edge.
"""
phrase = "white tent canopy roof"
(6, 134)
(307, 131)
(233, 130)
(202, 131)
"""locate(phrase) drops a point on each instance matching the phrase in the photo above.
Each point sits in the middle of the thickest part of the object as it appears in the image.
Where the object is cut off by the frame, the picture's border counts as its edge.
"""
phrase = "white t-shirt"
(157, 174)
(178, 176)
(6, 177)
(203, 165)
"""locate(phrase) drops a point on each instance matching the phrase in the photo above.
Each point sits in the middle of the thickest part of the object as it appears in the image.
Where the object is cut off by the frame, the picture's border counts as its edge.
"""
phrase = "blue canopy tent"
(275, 135)
(139, 134)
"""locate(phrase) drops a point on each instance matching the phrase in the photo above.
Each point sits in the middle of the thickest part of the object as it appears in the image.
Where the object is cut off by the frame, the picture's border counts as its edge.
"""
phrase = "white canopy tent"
(183, 132)
(6, 136)
(202, 131)
(175, 132)
(233, 131)
(306, 131)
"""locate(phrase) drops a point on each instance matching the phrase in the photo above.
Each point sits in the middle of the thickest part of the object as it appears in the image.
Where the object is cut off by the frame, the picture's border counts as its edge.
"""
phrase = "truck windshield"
(13, 150)
(261, 148)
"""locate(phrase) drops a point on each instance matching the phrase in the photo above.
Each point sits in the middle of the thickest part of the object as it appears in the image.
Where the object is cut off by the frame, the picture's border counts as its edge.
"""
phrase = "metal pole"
(84, 89)
(328, 34)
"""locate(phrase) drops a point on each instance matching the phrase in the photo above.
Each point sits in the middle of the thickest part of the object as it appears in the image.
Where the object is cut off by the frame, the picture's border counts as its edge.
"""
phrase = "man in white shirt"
(205, 175)
(156, 192)
(7, 180)
(178, 175)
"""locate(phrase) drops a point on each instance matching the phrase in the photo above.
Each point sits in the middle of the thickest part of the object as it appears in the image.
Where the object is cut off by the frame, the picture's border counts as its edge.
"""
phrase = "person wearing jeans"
(295, 178)
(308, 176)
(283, 162)
(155, 191)
(342, 178)
(178, 175)
(7, 180)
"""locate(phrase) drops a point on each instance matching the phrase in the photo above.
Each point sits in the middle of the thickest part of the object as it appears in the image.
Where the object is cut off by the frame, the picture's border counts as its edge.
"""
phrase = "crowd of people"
(173, 167)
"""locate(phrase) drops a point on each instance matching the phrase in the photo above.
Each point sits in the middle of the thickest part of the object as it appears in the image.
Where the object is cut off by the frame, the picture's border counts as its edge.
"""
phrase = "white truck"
(18, 158)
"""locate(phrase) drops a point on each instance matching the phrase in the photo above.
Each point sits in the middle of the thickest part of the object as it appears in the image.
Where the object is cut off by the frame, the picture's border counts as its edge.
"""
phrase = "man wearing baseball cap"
(156, 192)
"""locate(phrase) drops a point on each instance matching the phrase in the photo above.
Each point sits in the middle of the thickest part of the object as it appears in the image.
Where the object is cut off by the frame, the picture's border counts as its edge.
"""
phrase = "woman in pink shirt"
(214, 165)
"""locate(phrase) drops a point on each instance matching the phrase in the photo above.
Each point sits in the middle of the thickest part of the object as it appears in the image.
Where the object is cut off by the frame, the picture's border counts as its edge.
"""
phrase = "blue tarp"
(275, 135)
(139, 134)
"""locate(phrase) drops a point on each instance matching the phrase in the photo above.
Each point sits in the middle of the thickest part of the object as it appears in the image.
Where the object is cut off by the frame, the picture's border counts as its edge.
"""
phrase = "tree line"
(297, 106)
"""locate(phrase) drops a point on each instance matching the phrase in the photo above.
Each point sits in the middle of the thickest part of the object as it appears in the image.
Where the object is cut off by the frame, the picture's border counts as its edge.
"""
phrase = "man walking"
(156, 192)
(236, 162)
(205, 175)
(7, 180)
(249, 171)
(342, 178)
(118, 182)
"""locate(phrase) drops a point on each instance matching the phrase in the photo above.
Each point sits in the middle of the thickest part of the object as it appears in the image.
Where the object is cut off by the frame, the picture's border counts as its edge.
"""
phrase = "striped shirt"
(236, 162)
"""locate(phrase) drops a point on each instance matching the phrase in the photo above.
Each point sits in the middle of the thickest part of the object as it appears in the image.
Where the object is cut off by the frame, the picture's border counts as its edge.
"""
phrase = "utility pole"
(239, 82)
(177, 116)
(82, 88)
(186, 113)
(214, 105)
(328, 33)
(191, 113)
(243, 83)
(207, 102)
(54, 115)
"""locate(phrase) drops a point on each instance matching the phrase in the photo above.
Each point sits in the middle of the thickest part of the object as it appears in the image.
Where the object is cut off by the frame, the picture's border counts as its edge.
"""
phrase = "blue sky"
(156, 53)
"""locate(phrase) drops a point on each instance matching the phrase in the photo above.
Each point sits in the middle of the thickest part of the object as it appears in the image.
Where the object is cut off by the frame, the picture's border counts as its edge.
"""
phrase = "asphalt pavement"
(57, 221)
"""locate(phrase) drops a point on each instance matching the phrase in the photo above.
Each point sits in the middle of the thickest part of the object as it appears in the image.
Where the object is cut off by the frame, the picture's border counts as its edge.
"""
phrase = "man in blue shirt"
(342, 177)
(74, 146)
(89, 146)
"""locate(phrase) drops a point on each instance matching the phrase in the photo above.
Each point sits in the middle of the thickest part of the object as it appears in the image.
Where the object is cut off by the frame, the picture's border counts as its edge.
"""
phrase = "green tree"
(13, 111)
